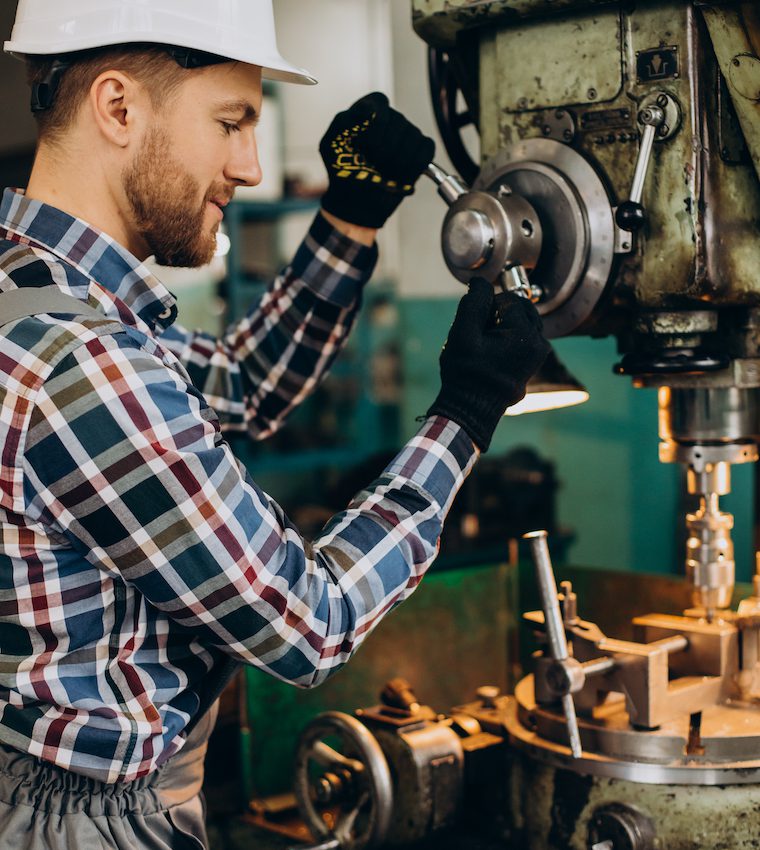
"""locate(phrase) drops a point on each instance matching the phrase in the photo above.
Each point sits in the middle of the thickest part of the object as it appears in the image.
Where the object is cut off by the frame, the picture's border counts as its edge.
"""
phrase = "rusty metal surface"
(553, 808)
(439, 21)
(598, 63)
(588, 75)
(735, 35)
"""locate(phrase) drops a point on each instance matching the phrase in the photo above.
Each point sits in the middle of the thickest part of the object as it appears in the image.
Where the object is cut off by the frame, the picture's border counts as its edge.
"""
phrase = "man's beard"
(160, 193)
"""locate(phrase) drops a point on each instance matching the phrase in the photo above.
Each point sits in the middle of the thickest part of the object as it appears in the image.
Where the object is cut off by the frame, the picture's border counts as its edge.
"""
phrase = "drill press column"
(707, 429)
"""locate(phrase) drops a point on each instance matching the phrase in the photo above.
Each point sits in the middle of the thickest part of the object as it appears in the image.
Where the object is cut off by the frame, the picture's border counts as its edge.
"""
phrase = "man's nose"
(243, 166)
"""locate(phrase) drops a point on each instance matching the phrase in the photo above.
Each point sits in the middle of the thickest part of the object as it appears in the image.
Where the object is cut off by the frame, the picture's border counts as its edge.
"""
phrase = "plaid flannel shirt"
(136, 555)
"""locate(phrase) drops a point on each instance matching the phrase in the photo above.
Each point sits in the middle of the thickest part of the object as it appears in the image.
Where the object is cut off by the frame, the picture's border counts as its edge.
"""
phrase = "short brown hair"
(151, 65)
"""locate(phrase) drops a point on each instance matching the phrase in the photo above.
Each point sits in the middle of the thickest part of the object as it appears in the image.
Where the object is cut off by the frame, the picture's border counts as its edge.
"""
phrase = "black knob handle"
(630, 216)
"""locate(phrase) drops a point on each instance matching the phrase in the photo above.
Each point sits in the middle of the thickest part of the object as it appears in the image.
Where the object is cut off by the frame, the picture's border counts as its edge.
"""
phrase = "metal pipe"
(677, 643)
(598, 665)
(555, 627)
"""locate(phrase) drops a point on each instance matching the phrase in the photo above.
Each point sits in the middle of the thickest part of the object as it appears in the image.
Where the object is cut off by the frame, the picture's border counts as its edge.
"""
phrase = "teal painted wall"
(620, 501)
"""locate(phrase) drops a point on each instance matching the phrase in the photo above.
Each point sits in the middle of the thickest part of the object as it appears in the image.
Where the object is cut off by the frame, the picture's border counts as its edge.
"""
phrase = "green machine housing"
(578, 74)
(632, 131)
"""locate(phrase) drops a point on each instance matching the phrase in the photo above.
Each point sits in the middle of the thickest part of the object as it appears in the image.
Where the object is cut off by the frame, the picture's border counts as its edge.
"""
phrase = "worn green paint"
(701, 240)
(439, 21)
(450, 637)
(686, 817)
(559, 77)
(735, 35)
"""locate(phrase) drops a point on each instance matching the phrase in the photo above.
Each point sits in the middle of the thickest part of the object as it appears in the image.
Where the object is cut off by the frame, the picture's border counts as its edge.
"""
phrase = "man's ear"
(117, 103)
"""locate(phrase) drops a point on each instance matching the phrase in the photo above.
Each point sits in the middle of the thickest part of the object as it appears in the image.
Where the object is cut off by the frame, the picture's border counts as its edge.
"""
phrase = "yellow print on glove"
(351, 164)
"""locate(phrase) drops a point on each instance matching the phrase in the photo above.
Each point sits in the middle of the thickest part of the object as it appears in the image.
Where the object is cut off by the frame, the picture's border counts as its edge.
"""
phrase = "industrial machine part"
(632, 132)
(352, 777)
(635, 143)
(566, 675)
(669, 716)
(351, 803)
(666, 733)
(493, 235)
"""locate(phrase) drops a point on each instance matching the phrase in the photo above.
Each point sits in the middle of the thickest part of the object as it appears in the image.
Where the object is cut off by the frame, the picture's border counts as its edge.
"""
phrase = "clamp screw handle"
(555, 627)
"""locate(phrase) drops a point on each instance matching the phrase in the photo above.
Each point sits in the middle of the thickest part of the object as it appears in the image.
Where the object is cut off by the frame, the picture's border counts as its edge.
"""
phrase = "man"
(138, 561)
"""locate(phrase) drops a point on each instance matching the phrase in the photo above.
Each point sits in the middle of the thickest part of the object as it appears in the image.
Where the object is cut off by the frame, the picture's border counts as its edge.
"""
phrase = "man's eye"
(230, 127)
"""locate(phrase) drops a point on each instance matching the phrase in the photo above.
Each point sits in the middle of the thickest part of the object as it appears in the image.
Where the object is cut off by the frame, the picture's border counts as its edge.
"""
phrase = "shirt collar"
(92, 252)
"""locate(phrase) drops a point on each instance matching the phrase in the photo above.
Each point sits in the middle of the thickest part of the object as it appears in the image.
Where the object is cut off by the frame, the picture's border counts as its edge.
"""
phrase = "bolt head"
(488, 695)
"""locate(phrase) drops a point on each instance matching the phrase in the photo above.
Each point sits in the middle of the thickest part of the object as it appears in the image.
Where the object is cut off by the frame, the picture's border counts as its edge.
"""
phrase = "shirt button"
(165, 314)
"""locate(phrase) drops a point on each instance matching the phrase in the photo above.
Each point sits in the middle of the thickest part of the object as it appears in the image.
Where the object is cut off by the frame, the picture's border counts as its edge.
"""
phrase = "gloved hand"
(373, 156)
(494, 346)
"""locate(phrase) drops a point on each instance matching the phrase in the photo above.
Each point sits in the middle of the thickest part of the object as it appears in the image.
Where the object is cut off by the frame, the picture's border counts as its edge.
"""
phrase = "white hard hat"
(241, 30)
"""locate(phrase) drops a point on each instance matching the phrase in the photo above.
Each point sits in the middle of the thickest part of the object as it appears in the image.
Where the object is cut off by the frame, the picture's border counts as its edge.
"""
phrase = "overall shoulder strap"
(29, 301)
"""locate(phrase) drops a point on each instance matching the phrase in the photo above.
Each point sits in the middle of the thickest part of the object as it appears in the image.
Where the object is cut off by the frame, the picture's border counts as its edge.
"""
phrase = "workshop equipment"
(620, 192)
(608, 744)
(618, 188)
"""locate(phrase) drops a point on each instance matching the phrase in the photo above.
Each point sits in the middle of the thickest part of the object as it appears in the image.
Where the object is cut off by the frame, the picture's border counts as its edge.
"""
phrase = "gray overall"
(44, 807)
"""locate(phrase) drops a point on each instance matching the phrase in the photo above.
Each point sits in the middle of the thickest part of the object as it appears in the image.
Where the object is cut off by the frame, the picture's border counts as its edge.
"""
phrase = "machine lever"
(630, 215)
(450, 187)
(555, 627)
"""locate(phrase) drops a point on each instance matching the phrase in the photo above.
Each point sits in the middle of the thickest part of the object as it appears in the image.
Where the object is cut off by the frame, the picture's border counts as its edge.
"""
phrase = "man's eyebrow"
(236, 106)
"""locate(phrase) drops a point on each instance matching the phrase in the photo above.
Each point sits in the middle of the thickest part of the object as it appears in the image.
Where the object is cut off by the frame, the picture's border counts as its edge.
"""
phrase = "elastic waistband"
(26, 780)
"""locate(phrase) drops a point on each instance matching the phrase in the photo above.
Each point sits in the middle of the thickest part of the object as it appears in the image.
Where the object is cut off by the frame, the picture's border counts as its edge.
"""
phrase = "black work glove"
(494, 346)
(373, 156)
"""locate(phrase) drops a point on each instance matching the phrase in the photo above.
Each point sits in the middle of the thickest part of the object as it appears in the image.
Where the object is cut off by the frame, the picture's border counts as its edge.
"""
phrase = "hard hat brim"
(273, 67)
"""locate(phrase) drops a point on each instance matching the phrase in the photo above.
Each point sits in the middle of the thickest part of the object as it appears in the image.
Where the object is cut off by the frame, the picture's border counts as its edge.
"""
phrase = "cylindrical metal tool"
(555, 627)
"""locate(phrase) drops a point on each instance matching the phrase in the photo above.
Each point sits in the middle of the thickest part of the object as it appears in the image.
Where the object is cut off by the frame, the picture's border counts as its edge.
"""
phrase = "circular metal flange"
(578, 227)
(698, 455)
(350, 775)
(620, 826)
(485, 233)
(684, 322)
(653, 757)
